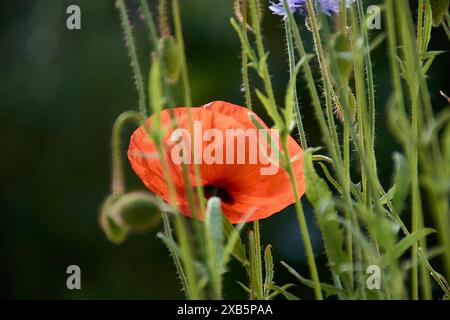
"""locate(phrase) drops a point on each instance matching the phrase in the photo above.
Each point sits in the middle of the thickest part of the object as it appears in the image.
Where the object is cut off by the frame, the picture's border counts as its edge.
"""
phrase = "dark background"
(60, 92)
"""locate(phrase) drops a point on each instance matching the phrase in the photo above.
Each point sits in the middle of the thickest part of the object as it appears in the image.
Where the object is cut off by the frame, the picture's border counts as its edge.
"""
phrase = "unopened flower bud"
(171, 58)
(114, 232)
(136, 211)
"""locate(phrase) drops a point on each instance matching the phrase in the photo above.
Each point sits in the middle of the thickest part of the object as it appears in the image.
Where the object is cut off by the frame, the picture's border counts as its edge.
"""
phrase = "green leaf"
(268, 264)
(215, 237)
(243, 286)
(446, 146)
(328, 289)
(398, 121)
(439, 8)
(403, 70)
(244, 42)
(287, 295)
(433, 54)
(388, 196)
(290, 99)
(170, 244)
(434, 126)
(278, 292)
(377, 41)
(358, 235)
(270, 109)
(262, 64)
(316, 187)
(330, 178)
(427, 25)
(428, 59)
(214, 245)
(400, 248)
(234, 244)
(321, 198)
(401, 182)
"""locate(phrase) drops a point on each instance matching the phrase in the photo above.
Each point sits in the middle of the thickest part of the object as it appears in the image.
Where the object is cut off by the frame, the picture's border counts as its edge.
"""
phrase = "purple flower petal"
(327, 7)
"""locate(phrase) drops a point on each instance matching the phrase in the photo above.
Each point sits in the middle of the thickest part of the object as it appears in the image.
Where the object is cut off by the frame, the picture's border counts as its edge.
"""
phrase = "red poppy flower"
(247, 192)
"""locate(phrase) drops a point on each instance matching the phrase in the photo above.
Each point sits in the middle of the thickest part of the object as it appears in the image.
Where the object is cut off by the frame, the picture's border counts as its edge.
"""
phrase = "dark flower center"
(213, 191)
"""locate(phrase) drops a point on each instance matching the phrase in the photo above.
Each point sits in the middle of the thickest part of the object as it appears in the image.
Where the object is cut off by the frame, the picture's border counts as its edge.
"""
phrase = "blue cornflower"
(279, 9)
(327, 7)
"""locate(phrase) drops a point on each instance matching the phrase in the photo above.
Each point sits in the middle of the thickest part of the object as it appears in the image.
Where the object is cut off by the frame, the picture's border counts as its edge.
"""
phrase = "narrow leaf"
(400, 248)
(328, 289)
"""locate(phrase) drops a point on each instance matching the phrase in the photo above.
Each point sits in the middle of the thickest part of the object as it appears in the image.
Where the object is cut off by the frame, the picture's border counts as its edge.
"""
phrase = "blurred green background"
(60, 92)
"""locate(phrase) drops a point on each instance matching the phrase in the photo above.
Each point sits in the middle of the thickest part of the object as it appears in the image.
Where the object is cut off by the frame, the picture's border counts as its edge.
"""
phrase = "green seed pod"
(171, 58)
(136, 211)
(114, 232)
(344, 57)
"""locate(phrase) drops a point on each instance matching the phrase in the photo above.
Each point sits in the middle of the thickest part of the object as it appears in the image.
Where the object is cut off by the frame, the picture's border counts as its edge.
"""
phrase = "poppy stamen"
(213, 191)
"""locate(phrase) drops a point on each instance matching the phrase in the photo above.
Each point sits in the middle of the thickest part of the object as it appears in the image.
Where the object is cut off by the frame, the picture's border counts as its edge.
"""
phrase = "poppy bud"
(171, 58)
(344, 56)
(114, 232)
(136, 211)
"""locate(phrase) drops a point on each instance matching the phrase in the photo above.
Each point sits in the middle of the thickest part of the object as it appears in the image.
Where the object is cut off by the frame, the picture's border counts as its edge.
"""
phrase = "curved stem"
(118, 185)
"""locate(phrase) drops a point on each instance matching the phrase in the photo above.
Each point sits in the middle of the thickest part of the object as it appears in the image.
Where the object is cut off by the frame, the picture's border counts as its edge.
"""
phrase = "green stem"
(176, 259)
(411, 60)
(187, 94)
(338, 165)
(292, 63)
(118, 185)
(303, 225)
(269, 90)
(326, 77)
(180, 42)
(261, 53)
(129, 41)
(180, 228)
(245, 78)
(346, 150)
(370, 88)
(253, 269)
(258, 264)
(188, 103)
(164, 28)
(361, 101)
(420, 31)
(343, 16)
(310, 83)
(149, 21)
